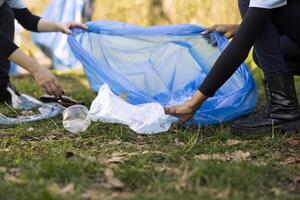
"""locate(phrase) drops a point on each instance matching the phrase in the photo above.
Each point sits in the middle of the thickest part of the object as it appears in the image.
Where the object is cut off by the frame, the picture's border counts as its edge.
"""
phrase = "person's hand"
(47, 81)
(186, 111)
(228, 30)
(66, 27)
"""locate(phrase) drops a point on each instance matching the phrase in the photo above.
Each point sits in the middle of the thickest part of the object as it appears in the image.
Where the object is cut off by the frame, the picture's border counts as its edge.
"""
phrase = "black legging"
(273, 52)
(286, 20)
(291, 54)
(7, 29)
(7, 26)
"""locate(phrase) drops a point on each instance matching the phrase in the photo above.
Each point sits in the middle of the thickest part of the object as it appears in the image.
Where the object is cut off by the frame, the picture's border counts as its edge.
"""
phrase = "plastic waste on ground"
(55, 45)
(76, 119)
(25, 102)
(146, 118)
(161, 64)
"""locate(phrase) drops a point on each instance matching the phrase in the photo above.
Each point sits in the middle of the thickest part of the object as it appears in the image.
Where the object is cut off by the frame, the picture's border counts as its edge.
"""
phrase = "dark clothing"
(269, 54)
(291, 54)
(7, 29)
(7, 17)
(260, 28)
(27, 19)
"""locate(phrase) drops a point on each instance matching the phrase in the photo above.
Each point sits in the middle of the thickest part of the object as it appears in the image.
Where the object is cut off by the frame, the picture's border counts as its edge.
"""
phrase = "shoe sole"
(291, 127)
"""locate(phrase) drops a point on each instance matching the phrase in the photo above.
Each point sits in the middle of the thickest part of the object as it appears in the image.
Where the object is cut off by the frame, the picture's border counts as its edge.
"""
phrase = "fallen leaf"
(14, 171)
(3, 169)
(115, 142)
(12, 179)
(276, 191)
(116, 159)
(112, 180)
(183, 180)
(239, 155)
(5, 150)
(230, 142)
(235, 156)
(55, 188)
(291, 160)
(153, 152)
(178, 143)
(94, 195)
(119, 154)
(120, 157)
(294, 141)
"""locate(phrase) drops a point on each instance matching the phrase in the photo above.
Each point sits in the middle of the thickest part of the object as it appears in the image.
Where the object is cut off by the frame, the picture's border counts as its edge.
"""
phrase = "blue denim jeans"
(274, 51)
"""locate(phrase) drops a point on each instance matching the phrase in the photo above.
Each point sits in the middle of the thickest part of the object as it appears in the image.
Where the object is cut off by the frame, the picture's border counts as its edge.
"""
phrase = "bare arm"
(48, 26)
(46, 80)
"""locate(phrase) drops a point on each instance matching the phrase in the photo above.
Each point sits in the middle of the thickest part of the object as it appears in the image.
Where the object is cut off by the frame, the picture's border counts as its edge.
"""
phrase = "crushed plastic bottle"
(76, 119)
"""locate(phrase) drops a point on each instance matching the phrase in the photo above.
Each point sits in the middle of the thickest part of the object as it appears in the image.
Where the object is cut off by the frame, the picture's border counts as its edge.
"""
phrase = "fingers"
(58, 87)
(170, 110)
(78, 25)
(67, 31)
(209, 30)
(67, 28)
(52, 87)
(228, 35)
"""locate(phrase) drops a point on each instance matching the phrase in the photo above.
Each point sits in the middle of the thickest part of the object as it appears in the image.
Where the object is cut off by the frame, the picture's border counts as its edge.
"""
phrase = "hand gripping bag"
(164, 64)
(55, 45)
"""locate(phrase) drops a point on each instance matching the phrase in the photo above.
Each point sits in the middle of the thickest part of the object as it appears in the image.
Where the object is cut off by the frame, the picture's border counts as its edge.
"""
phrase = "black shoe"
(7, 94)
(281, 113)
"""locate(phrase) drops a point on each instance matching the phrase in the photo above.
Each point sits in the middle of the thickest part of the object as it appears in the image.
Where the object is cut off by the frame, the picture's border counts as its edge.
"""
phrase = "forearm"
(48, 26)
(23, 60)
(237, 51)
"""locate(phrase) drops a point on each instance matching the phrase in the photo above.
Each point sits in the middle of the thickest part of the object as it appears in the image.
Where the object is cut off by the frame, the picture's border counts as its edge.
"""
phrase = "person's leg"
(287, 19)
(267, 46)
(7, 27)
(291, 53)
(282, 104)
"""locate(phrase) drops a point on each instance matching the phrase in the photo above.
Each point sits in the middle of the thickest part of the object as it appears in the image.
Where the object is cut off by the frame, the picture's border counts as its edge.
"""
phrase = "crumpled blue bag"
(55, 45)
(164, 64)
(25, 102)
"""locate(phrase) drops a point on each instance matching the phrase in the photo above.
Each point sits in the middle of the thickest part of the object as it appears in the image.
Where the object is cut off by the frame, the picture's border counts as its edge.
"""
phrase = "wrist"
(34, 67)
(57, 27)
(197, 100)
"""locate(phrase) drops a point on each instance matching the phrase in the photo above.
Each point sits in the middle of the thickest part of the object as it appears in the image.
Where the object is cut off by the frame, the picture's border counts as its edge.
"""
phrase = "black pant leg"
(291, 54)
(287, 19)
(267, 46)
(7, 26)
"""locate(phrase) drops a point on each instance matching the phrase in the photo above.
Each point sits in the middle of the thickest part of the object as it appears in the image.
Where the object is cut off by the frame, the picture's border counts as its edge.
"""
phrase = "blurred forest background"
(147, 12)
(153, 12)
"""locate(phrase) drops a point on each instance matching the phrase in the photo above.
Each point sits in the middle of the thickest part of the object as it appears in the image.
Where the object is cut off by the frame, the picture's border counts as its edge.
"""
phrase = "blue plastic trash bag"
(55, 45)
(164, 64)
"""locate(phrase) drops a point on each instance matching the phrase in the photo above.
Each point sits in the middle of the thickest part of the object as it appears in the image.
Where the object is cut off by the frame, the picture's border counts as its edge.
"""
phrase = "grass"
(43, 161)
